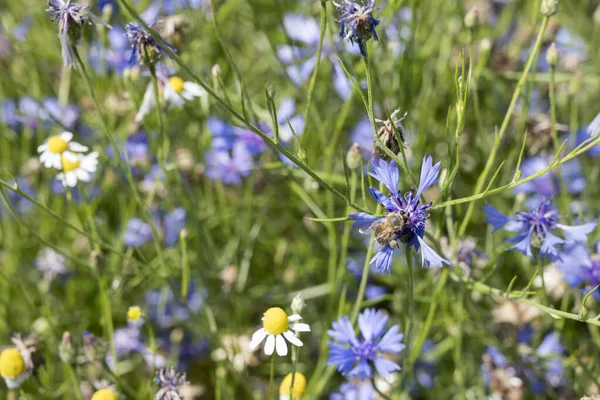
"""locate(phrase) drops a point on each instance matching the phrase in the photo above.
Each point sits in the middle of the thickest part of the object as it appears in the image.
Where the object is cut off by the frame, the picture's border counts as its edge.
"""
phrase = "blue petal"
(385, 173)
(429, 174)
(430, 257)
(362, 370)
(495, 217)
(550, 346)
(391, 342)
(578, 233)
(383, 259)
(371, 323)
(385, 367)
(382, 199)
(363, 220)
(548, 248)
(523, 243)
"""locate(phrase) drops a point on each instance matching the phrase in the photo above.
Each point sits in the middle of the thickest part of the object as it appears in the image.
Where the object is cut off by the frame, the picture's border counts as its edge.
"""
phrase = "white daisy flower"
(13, 367)
(177, 92)
(276, 327)
(77, 167)
(56, 145)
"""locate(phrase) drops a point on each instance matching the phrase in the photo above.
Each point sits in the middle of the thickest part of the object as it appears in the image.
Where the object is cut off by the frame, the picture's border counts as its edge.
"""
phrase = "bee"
(387, 228)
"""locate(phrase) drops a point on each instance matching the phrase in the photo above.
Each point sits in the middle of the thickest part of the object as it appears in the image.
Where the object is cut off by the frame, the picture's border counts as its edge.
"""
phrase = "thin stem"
(313, 78)
(499, 136)
(74, 381)
(294, 361)
(546, 299)
(370, 109)
(271, 376)
(161, 129)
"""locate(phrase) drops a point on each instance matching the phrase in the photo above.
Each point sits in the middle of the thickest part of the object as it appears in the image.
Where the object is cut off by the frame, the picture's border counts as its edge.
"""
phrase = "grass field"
(315, 199)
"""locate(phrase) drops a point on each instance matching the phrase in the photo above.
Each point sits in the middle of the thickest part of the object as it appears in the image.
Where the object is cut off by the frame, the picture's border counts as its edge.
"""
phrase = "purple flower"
(54, 112)
(166, 309)
(144, 47)
(405, 217)
(169, 7)
(542, 367)
(548, 185)
(225, 136)
(357, 23)
(579, 269)
(115, 57)
(138, 232)
(71, 18)
(360, 390)
(228, 167)
(129, 340)
(301, 58)
(355, 356)
(534, 228)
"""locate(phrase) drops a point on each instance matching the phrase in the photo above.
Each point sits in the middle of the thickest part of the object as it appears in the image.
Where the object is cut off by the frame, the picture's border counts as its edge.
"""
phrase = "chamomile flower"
(297, 391)
(77, 167)
(177, 91)
(105, 394)
(135, 315)
(55, 146)
(13, 367)
(276, 327)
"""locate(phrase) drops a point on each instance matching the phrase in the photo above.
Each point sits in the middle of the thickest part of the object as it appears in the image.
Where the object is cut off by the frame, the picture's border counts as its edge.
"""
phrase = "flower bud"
(552, 55)
(298, 304)
(550, 7)
(354, 157)
(66, 352)
(271, 92)
(472, 18)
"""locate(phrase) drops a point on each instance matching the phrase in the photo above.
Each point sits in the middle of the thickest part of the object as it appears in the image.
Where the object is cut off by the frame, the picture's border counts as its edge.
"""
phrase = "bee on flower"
(175, 92)
(277, 329)
(52, 150)
(77, 167)
(296, 391)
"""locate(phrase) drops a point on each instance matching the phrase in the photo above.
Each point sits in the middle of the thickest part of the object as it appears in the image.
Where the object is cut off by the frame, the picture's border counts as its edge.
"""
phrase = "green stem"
(546, 299)
(163, 153)
(271, 376)
(499, 136)
(370, 108)
(74, 381)
(313, 78)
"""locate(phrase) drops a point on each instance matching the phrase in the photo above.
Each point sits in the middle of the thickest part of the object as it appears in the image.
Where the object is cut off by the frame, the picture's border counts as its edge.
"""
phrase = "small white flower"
(55, 146)
(177, 92)
(77, 167)
(276, 329)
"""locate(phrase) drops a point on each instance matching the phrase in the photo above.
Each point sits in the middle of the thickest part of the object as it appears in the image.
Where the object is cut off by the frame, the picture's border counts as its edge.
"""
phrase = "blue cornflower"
(169, 380)
(548, 185)
(225, 136)
(357, 23)
(360, 390)
(579, 268)
(301, 58)
(169, 7)
(229, 168)
(144, 47)
(166, 309)
(355, 267)
(405, 216)
(71, 17)
(542, 368)
(138, 232)
(353, 356)
(129, 340)
(534, 229)
(114, 57)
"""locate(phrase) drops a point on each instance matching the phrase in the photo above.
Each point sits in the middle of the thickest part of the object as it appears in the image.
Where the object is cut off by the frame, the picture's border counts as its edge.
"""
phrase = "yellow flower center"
(104, 394)
(276, 321)
(56, 144)
(11, 363)
(69, 165)
(299, 386)
(134, 313)
(176, 84)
